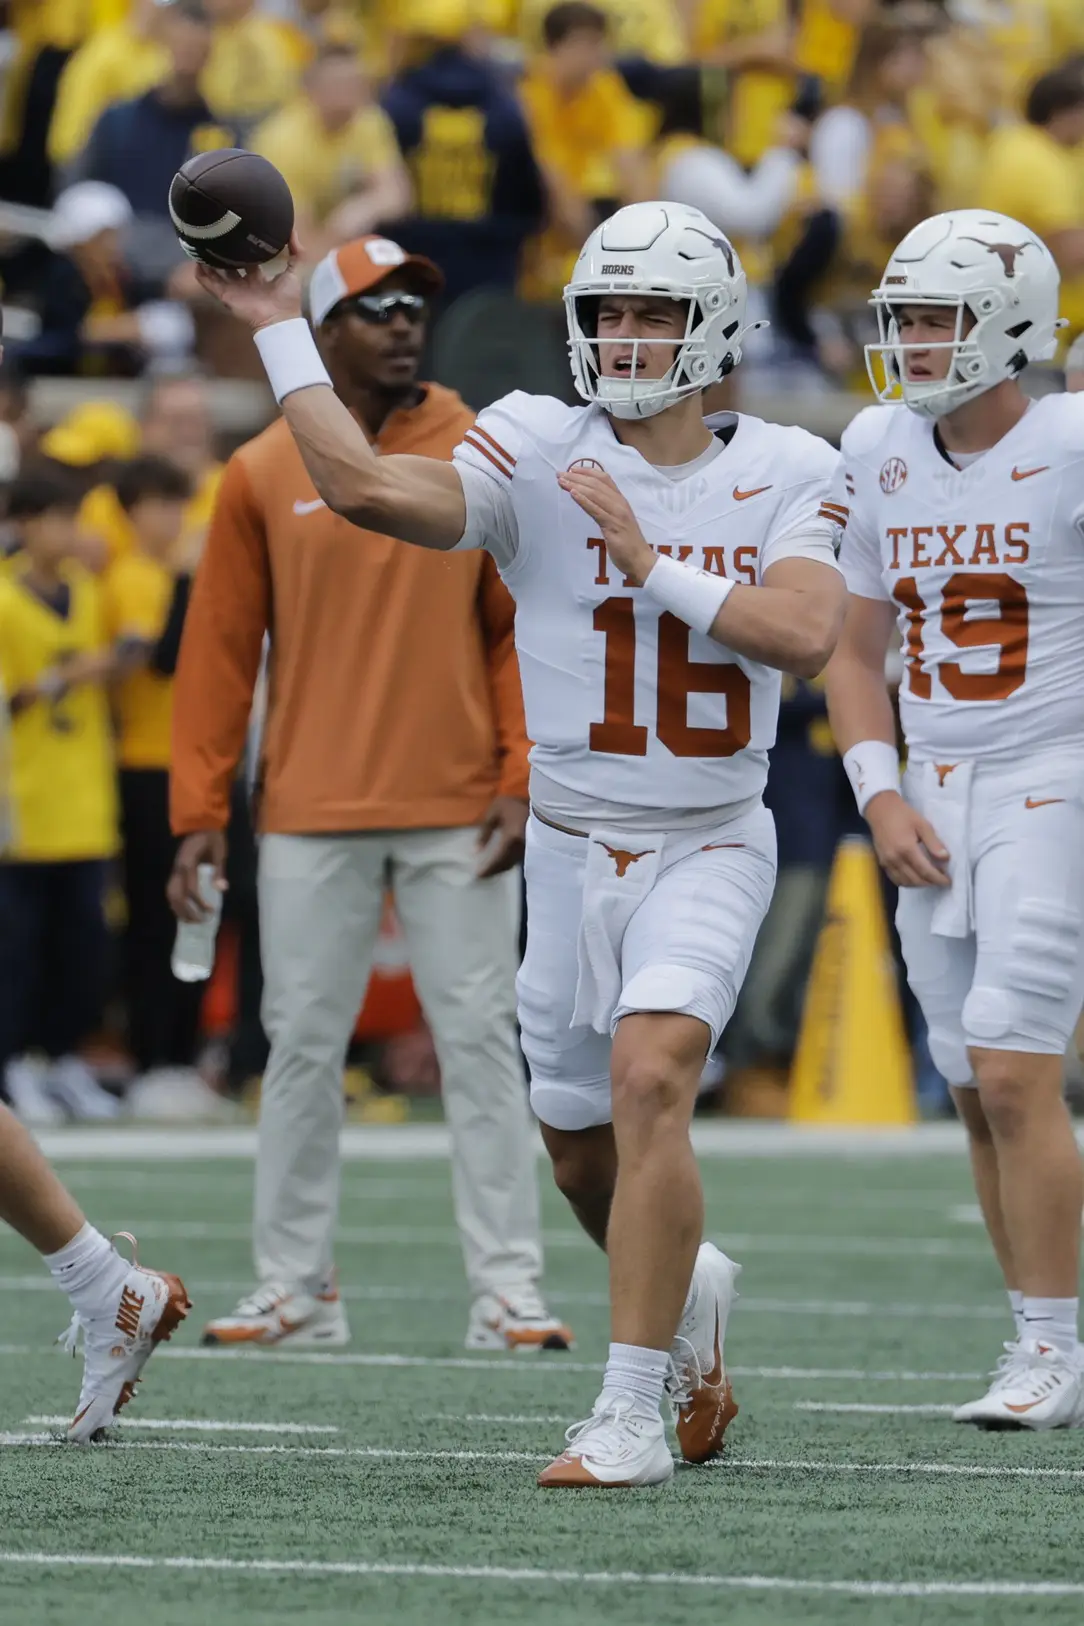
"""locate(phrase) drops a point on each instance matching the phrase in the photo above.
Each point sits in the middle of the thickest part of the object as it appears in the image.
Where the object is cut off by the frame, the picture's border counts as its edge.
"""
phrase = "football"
(232, 209)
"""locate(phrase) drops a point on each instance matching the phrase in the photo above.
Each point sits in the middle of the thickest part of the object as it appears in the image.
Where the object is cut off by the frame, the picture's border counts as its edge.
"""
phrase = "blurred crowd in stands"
(491, 136)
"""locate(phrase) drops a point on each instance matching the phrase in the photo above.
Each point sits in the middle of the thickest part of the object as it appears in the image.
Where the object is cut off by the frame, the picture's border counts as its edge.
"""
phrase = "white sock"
(89, 1269)
(1052, 1320)
(1016, 1302)
(631, 1370)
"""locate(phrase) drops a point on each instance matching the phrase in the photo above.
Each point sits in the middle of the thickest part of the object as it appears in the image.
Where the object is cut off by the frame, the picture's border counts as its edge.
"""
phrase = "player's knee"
(583, 1170)
(1006, 1090)
(948, 1050)
(647, 1088)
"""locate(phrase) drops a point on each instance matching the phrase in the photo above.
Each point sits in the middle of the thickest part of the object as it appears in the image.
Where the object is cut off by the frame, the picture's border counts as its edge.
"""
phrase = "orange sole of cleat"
(556, 1338)
(572, 1475)
(704, 1421)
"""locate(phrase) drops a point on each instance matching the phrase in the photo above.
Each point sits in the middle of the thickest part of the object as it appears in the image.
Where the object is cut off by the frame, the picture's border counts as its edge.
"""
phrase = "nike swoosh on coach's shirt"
(1026, 474)
(1043, 801)
(308, 507)
(741, 496)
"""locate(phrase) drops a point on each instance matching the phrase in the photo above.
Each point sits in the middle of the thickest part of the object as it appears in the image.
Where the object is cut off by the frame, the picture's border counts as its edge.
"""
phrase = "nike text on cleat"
(516, 1319)
(621, 1444)
(277, 1316)
(118, 1343)
(698, 1386)
(1036, 1386)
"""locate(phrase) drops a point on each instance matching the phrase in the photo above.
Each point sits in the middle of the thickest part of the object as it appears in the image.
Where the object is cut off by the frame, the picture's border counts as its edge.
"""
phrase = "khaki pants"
(320, 906)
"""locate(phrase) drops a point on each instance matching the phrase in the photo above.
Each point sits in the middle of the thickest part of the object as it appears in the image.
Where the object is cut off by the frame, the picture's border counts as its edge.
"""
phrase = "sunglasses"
(380, 308)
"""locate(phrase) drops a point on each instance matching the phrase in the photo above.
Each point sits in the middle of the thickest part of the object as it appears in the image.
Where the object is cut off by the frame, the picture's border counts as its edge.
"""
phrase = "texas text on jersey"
(985, 564)
(629, 708)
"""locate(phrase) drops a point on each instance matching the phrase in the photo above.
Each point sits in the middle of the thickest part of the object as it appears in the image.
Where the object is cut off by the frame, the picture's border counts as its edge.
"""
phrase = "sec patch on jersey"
(231, 209)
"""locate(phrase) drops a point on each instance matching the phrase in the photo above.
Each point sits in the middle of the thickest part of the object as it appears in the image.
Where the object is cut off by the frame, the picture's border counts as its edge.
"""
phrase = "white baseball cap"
(358, 266)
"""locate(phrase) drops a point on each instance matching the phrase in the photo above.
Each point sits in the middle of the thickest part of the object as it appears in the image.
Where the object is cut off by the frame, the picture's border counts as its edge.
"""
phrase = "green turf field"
(395, 1482)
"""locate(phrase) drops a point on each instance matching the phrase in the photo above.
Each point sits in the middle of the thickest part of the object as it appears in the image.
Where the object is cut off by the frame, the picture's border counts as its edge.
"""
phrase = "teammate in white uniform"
(664, 573)
(966, 528)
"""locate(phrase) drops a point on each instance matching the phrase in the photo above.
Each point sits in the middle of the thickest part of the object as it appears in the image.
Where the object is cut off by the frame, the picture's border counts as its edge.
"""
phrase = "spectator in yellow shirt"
(589, 136)
(751, 39)
(142, 596)
(252, 68)
(53, 942)
(651, 29)
(1033, 173)
(113, 65)
(339, 154)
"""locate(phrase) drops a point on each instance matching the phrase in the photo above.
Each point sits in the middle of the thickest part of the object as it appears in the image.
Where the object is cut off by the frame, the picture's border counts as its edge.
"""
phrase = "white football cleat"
(1006, 1372)
(516, 1319)
(277, 1316)
(621, 1444)
(1036, 1386)
(118, 1343)
(698, 1386)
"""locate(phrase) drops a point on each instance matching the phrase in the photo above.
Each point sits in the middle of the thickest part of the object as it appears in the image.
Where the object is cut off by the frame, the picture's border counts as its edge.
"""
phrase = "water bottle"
(194, 946)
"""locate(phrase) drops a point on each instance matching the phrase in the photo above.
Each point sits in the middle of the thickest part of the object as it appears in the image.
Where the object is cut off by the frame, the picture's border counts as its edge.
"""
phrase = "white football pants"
(321, 899)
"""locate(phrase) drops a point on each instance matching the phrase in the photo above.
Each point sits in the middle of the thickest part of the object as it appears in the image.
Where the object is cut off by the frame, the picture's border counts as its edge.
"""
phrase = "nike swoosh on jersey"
(308, 507)
(1043, 801)
(1026, 474)
(743, 496)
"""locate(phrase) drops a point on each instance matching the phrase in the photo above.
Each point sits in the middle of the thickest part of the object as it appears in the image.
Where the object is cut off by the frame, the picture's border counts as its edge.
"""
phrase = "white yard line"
(553, 1577)
(528, 1365)
(872, 1410)
(404, 1142)
(856, 1309)
(201, 1425)
(729, 1464)
(493, 1417)
(446, 1236)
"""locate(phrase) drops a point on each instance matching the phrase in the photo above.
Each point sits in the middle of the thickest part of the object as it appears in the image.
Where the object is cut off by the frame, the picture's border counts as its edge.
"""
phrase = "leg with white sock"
(462, 937)
(122, 1311)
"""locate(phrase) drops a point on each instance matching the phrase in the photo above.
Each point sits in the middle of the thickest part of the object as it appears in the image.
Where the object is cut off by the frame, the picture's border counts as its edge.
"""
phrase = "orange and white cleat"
(516, 1319)
(277, 1316)
(698, 1387)
(118, 1343)
(621, 1445)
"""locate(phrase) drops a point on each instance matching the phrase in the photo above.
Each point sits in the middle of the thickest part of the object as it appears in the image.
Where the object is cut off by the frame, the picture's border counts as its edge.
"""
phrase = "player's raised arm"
(417, 499)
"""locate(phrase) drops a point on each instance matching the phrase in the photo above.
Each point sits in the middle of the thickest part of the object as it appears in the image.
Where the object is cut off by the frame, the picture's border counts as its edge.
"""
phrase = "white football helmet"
(982, 264)
(669, 250)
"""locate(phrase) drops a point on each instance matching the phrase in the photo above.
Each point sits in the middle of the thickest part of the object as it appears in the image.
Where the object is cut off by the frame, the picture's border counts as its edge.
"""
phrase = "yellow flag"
(853, 1063)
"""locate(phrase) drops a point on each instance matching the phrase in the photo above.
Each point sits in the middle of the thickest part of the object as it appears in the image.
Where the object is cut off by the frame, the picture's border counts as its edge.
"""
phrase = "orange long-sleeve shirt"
(394, 697)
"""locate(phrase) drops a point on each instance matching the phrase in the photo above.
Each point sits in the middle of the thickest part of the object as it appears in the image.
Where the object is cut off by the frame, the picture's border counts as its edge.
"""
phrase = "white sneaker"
(118, 1343)
(516, 1319)
(74, 1087)
(24, 1082)
(1036, 1386)
(622, 1443)
(698, 1386)
(1009, 1366)
(279, 1316)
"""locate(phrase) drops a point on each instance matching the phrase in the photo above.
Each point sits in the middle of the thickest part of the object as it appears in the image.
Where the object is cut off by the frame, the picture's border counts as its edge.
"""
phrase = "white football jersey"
(985, 566)
(625, 704)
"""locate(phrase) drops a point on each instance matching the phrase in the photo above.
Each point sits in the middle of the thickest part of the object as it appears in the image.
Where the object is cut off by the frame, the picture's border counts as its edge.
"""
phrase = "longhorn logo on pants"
(623, 859)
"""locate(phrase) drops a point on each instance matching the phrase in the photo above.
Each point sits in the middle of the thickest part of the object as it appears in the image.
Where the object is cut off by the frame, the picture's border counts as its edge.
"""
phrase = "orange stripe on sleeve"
(470, 439)
(496, 445)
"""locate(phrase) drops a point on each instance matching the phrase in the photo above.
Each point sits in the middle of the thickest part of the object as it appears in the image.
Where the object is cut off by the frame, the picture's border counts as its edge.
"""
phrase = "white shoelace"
(69, 1339)
(686, 1374)
(609, 1413)
(1008, 1365)
(525, 1304)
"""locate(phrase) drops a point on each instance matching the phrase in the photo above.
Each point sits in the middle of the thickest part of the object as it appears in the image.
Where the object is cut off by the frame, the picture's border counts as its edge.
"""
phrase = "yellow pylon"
(853, 1063)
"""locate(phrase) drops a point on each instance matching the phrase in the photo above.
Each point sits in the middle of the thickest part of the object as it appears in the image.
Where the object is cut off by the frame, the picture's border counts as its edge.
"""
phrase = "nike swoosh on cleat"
(308, 507)
(1028, 1405)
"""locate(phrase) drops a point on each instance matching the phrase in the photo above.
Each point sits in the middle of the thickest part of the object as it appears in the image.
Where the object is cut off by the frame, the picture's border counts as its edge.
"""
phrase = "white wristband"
(694, 596)
(290, 357)
(872, 766)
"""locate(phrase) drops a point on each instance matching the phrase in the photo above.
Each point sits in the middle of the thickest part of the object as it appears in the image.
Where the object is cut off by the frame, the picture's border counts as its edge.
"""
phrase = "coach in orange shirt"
(394, 753)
